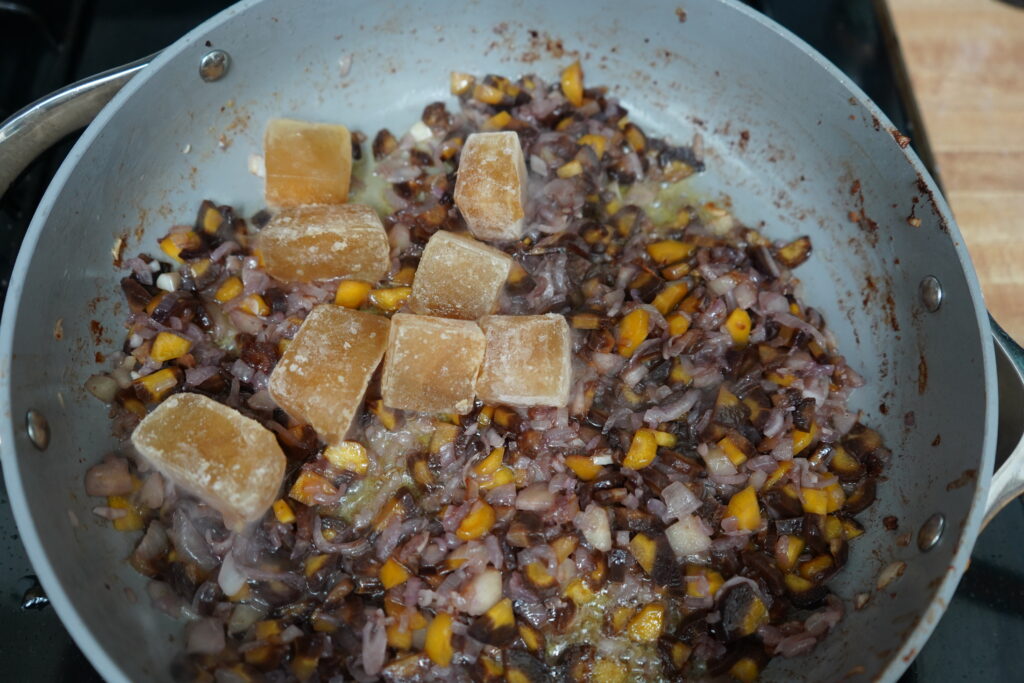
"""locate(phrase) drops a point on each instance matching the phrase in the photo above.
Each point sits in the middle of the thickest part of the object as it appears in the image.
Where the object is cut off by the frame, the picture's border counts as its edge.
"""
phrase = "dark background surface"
(45, 44)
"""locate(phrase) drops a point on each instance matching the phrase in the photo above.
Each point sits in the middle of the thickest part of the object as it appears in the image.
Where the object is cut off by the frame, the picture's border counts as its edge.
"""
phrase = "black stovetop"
(47, 43)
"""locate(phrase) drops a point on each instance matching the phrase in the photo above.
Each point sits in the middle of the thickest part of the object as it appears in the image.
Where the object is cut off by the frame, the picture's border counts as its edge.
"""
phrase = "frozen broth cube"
(431, 364)
(459, 277)
(228, 460)
(323, 374)
(490, 189)
(528, 361)
(323, 242)
(306, 163)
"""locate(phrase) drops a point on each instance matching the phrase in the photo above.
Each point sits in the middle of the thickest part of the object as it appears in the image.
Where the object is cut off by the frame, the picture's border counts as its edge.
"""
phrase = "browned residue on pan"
(922, 377)
(901, 139)
(937, 440)
(963, 480)
(97, 332)
(890, 309)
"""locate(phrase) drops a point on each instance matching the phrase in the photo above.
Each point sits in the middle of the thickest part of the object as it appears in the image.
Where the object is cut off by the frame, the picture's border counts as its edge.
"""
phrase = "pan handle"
(35, 128)
(1008, 479)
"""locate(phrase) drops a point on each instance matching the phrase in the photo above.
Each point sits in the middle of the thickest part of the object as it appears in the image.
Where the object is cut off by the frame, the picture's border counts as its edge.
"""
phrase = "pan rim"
(13, 440)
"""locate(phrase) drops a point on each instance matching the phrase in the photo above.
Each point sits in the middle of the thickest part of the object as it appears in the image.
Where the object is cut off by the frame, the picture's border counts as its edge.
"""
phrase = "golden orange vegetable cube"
(324, 242)
(432, 364)
(528, 360)
(323, 374)
(459, 277)
(490, 189)
(214, 452)
(306, 163)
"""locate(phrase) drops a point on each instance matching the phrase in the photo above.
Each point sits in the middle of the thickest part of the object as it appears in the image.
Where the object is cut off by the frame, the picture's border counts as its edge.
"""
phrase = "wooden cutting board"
(965, 59)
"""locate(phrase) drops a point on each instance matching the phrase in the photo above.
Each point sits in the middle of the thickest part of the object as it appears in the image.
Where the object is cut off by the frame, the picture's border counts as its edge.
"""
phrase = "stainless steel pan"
(789, 140)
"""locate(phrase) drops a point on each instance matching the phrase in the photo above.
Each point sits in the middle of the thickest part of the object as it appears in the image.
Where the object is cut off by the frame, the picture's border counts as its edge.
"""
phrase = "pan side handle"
(1008, 479)
(35, 128)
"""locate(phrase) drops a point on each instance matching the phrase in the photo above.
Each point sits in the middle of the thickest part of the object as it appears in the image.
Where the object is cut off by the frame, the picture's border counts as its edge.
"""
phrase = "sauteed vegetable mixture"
(497, 399)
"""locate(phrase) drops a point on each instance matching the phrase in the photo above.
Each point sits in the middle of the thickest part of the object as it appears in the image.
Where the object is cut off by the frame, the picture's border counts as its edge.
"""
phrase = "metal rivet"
(38, 429)
(931, 532)
(34, 597)
(214, 65)
(931, 293)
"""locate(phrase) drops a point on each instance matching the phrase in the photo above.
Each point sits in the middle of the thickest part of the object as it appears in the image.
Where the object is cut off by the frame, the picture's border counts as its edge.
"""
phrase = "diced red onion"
(110, 478)
(482, 592)
(687, 536)
(230, 578)
(152, 492)
(375, 643)
(102, 387)
(593, 522)
(679, 500)
(535, 498)
(205, 637)
(673, 410)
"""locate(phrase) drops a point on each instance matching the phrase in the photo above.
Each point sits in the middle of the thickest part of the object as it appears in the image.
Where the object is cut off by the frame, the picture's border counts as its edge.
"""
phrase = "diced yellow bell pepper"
(444, 434)
(816, 565)
(583, 467)
(743, 506)
(570, 169)
(352, 293)
(460, 83)
(159, 384)
(439, 640)
(283, 511)
(497, 122)
(168, 346)
(387, 417)
(678, 374)
(823, 501)
(504, 475)
(642, 449)
(596, 143)
(669, 297)
(308, 486)
(782, 470)
(666, 439)
(132, 519)
(348, 455)
(633, 330)
(738, 325)
(477, 523)
(713, 578)
(802, 440)
(635, 138)
(491, 463)
(572, 84)
(735, 454)
(487, 94)
(399, 638)
(304, 666)
(390, 299)
(255, 305)
(579, 592)
(794, 546)
(177, 242)
(404, 276)
(392, 574)
(607, 670)
(648, 624)
(315, 563)
(665, 252)
(644, 550)
(745, 670)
